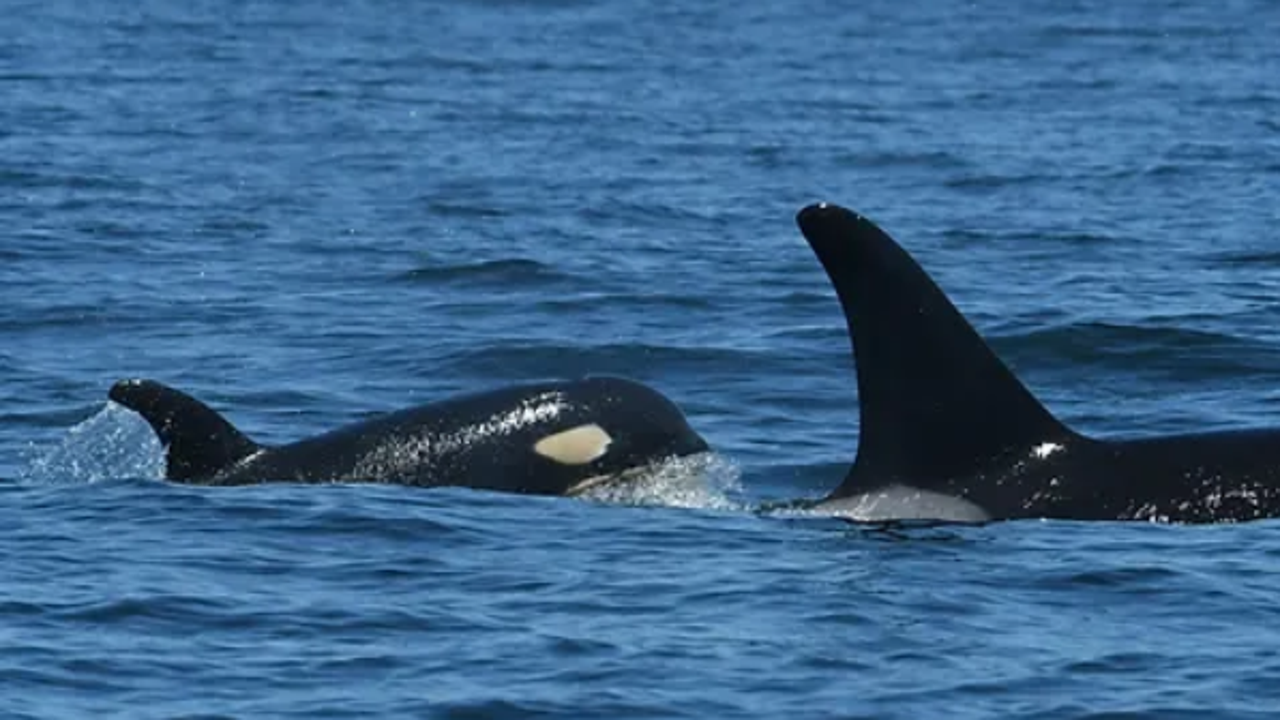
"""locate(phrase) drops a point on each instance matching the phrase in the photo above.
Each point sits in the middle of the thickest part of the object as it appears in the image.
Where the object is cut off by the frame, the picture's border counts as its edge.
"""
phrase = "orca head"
(944, 422)
(606, 430)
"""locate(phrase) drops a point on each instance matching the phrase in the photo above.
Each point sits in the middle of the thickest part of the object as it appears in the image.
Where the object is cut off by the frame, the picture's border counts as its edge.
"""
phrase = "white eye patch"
(575, 446)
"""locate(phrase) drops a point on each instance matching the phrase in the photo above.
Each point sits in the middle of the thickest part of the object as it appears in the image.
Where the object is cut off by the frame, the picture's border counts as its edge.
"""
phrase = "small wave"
(503, 272)
(229, 224)
(543, 360)
(1186, 351)
(1077, 83)
(466, 210)
(620, 210)
(938, 160)
(504, 5)
(369, 518)
(37, 179)
(114, 443)
(1101, 334)
(989, 181)
(1259, 258)
(177, 608)
(655, 301)
(1150, 579)
(1119, 662)
(1135, 31)
(965, 237)
(62, 316)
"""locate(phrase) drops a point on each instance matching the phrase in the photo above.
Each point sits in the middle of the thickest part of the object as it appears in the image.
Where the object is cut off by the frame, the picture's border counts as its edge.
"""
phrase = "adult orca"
(551, 438)
(949, 433)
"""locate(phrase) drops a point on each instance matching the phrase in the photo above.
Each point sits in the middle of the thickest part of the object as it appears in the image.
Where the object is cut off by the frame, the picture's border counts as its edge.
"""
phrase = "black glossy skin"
(482, 440)
(1193, 478)
(941, 412)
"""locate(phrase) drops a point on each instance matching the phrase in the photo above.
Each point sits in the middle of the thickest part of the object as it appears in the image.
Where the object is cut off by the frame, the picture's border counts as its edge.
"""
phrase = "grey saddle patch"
(902, 502)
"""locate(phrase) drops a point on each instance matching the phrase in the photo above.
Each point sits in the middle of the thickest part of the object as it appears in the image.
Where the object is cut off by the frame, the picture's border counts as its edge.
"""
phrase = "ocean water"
(306, 213)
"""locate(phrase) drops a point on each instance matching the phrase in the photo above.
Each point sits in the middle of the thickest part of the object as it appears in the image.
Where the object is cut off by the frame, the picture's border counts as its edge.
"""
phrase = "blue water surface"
(306, 213)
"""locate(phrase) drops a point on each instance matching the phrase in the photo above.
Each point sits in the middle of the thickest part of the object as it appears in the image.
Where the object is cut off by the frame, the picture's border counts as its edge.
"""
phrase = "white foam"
(704, 481)
(114, 443)
(1044, 450)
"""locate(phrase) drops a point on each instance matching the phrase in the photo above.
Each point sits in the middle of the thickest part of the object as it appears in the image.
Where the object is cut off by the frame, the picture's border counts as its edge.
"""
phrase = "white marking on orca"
(1044, 450)
(902, 502)
(575, 446)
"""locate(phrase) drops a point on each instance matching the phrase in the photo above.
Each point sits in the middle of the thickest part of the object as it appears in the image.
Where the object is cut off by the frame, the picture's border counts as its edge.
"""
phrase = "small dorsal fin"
(936, 402)
(198, 441)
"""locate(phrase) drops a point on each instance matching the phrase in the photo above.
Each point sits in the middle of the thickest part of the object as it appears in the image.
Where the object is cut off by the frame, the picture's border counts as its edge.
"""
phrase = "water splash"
(705, 480)
(113, 443)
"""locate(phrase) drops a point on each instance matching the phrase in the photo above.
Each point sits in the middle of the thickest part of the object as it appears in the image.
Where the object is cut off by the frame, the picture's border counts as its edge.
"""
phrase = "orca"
(549, 438)
(948, 433)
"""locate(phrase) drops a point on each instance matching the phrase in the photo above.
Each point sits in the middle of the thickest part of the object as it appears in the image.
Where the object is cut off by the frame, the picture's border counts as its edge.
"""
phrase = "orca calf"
(554, 438)
(949, 433)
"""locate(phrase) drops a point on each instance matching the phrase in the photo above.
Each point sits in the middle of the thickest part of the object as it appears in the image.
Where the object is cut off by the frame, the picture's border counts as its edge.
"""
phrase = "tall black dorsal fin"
(198, 441)
(936, 402)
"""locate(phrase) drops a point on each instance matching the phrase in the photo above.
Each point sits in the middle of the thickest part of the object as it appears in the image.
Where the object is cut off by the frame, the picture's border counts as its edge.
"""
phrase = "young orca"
(554, 438)
(949, 433)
